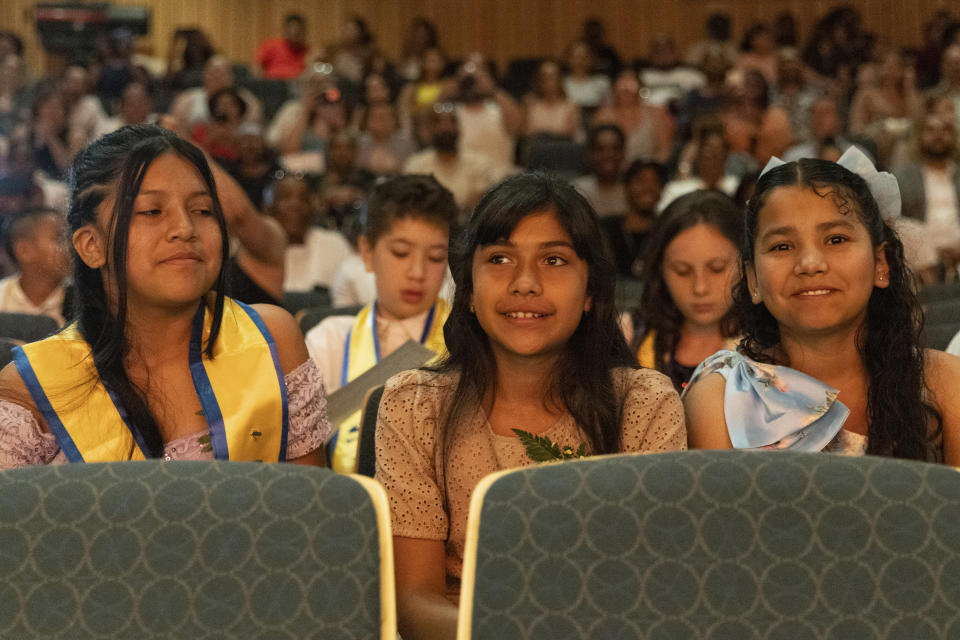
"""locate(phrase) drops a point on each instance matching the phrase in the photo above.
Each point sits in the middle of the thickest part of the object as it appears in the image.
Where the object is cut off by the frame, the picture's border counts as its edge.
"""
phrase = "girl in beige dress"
(534, 345)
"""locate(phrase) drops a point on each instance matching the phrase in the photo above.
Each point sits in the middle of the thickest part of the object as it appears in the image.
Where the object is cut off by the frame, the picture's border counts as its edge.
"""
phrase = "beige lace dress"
(410, 465)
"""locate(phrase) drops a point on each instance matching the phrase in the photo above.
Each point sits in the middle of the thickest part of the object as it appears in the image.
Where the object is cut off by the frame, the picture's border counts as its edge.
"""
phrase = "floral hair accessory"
(883, 185)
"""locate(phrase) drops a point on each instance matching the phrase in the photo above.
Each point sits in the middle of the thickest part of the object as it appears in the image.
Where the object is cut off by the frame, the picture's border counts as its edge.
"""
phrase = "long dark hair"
(581, 380)
(116, 164)
(658, 312)
(890, 340)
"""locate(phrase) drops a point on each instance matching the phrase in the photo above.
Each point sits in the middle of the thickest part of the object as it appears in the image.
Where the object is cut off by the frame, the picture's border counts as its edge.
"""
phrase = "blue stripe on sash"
(373, 327)
(262, 326)
(208, 401)
(137, 436)
(345, 369)
(67, 445)
(428, 324)
(332, 444)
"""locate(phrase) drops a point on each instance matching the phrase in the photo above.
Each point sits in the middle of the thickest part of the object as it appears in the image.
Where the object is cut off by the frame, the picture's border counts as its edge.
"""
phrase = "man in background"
(284, 58)
(930, 188)
(466, 174)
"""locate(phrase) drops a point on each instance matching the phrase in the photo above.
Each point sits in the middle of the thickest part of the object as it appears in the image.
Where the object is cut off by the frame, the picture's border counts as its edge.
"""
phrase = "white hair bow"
(883, 185)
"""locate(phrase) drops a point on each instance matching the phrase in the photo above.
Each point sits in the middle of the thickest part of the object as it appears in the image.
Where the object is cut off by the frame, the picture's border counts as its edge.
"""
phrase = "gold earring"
(472, 310)
(755, 296)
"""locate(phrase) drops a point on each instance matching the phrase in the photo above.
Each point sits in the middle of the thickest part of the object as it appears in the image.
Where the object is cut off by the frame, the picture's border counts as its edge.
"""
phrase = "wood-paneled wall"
(503, 29)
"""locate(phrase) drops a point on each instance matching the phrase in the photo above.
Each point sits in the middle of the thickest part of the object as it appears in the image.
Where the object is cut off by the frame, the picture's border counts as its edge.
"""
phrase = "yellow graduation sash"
(241, 390)
(362, 352)
(646, 354)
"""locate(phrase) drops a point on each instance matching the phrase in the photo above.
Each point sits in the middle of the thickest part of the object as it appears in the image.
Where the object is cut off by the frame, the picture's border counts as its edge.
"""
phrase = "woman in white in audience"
(547, 108)
(584, 88)
(649, 129)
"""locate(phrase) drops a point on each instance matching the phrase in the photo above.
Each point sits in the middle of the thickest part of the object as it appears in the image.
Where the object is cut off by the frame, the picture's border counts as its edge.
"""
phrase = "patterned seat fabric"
(731, 544)
(187, 550)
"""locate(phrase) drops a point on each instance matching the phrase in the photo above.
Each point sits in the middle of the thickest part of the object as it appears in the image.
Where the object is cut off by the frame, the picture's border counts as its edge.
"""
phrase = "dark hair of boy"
(409, 196)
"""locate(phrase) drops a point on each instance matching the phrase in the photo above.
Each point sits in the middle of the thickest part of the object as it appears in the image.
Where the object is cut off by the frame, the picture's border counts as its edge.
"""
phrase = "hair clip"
(883, 185)
(772, 163)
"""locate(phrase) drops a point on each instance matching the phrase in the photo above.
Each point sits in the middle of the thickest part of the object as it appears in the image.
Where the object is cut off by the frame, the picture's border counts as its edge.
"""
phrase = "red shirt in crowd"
(280, 58)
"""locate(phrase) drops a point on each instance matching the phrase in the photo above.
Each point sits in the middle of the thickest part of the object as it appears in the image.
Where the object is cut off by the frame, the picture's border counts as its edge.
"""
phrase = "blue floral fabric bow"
(774, 407)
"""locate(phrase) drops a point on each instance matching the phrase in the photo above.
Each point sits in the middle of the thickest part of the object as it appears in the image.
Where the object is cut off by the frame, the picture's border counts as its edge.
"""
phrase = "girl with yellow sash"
(159, 362)
(404, 244)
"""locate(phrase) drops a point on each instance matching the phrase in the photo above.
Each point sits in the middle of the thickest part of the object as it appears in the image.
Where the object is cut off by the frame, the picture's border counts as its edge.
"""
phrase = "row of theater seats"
(941, 304)
(680, 545)
(18, 328)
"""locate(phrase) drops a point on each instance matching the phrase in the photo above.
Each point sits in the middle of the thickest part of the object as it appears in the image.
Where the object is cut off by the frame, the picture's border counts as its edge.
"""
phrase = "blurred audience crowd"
(309, 130)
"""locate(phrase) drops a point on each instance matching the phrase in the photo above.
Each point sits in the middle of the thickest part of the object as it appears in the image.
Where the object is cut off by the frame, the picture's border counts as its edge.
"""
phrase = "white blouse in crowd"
(315, 262)
(352, 284)
(14, 300)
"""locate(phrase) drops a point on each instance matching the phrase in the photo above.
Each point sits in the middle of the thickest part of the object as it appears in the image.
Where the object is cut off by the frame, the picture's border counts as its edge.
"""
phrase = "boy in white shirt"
(36, 242)
(404, 244)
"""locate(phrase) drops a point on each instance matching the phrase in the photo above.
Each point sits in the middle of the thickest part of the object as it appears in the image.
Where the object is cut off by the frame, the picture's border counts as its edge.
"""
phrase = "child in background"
(404, 244)
(36, 242)
(627, 235)
(685, 310)
(533, 344)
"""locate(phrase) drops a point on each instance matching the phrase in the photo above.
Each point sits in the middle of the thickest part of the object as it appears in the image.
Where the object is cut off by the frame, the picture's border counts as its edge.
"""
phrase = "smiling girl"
(159, 363)
(533, 344)
(831, 357)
